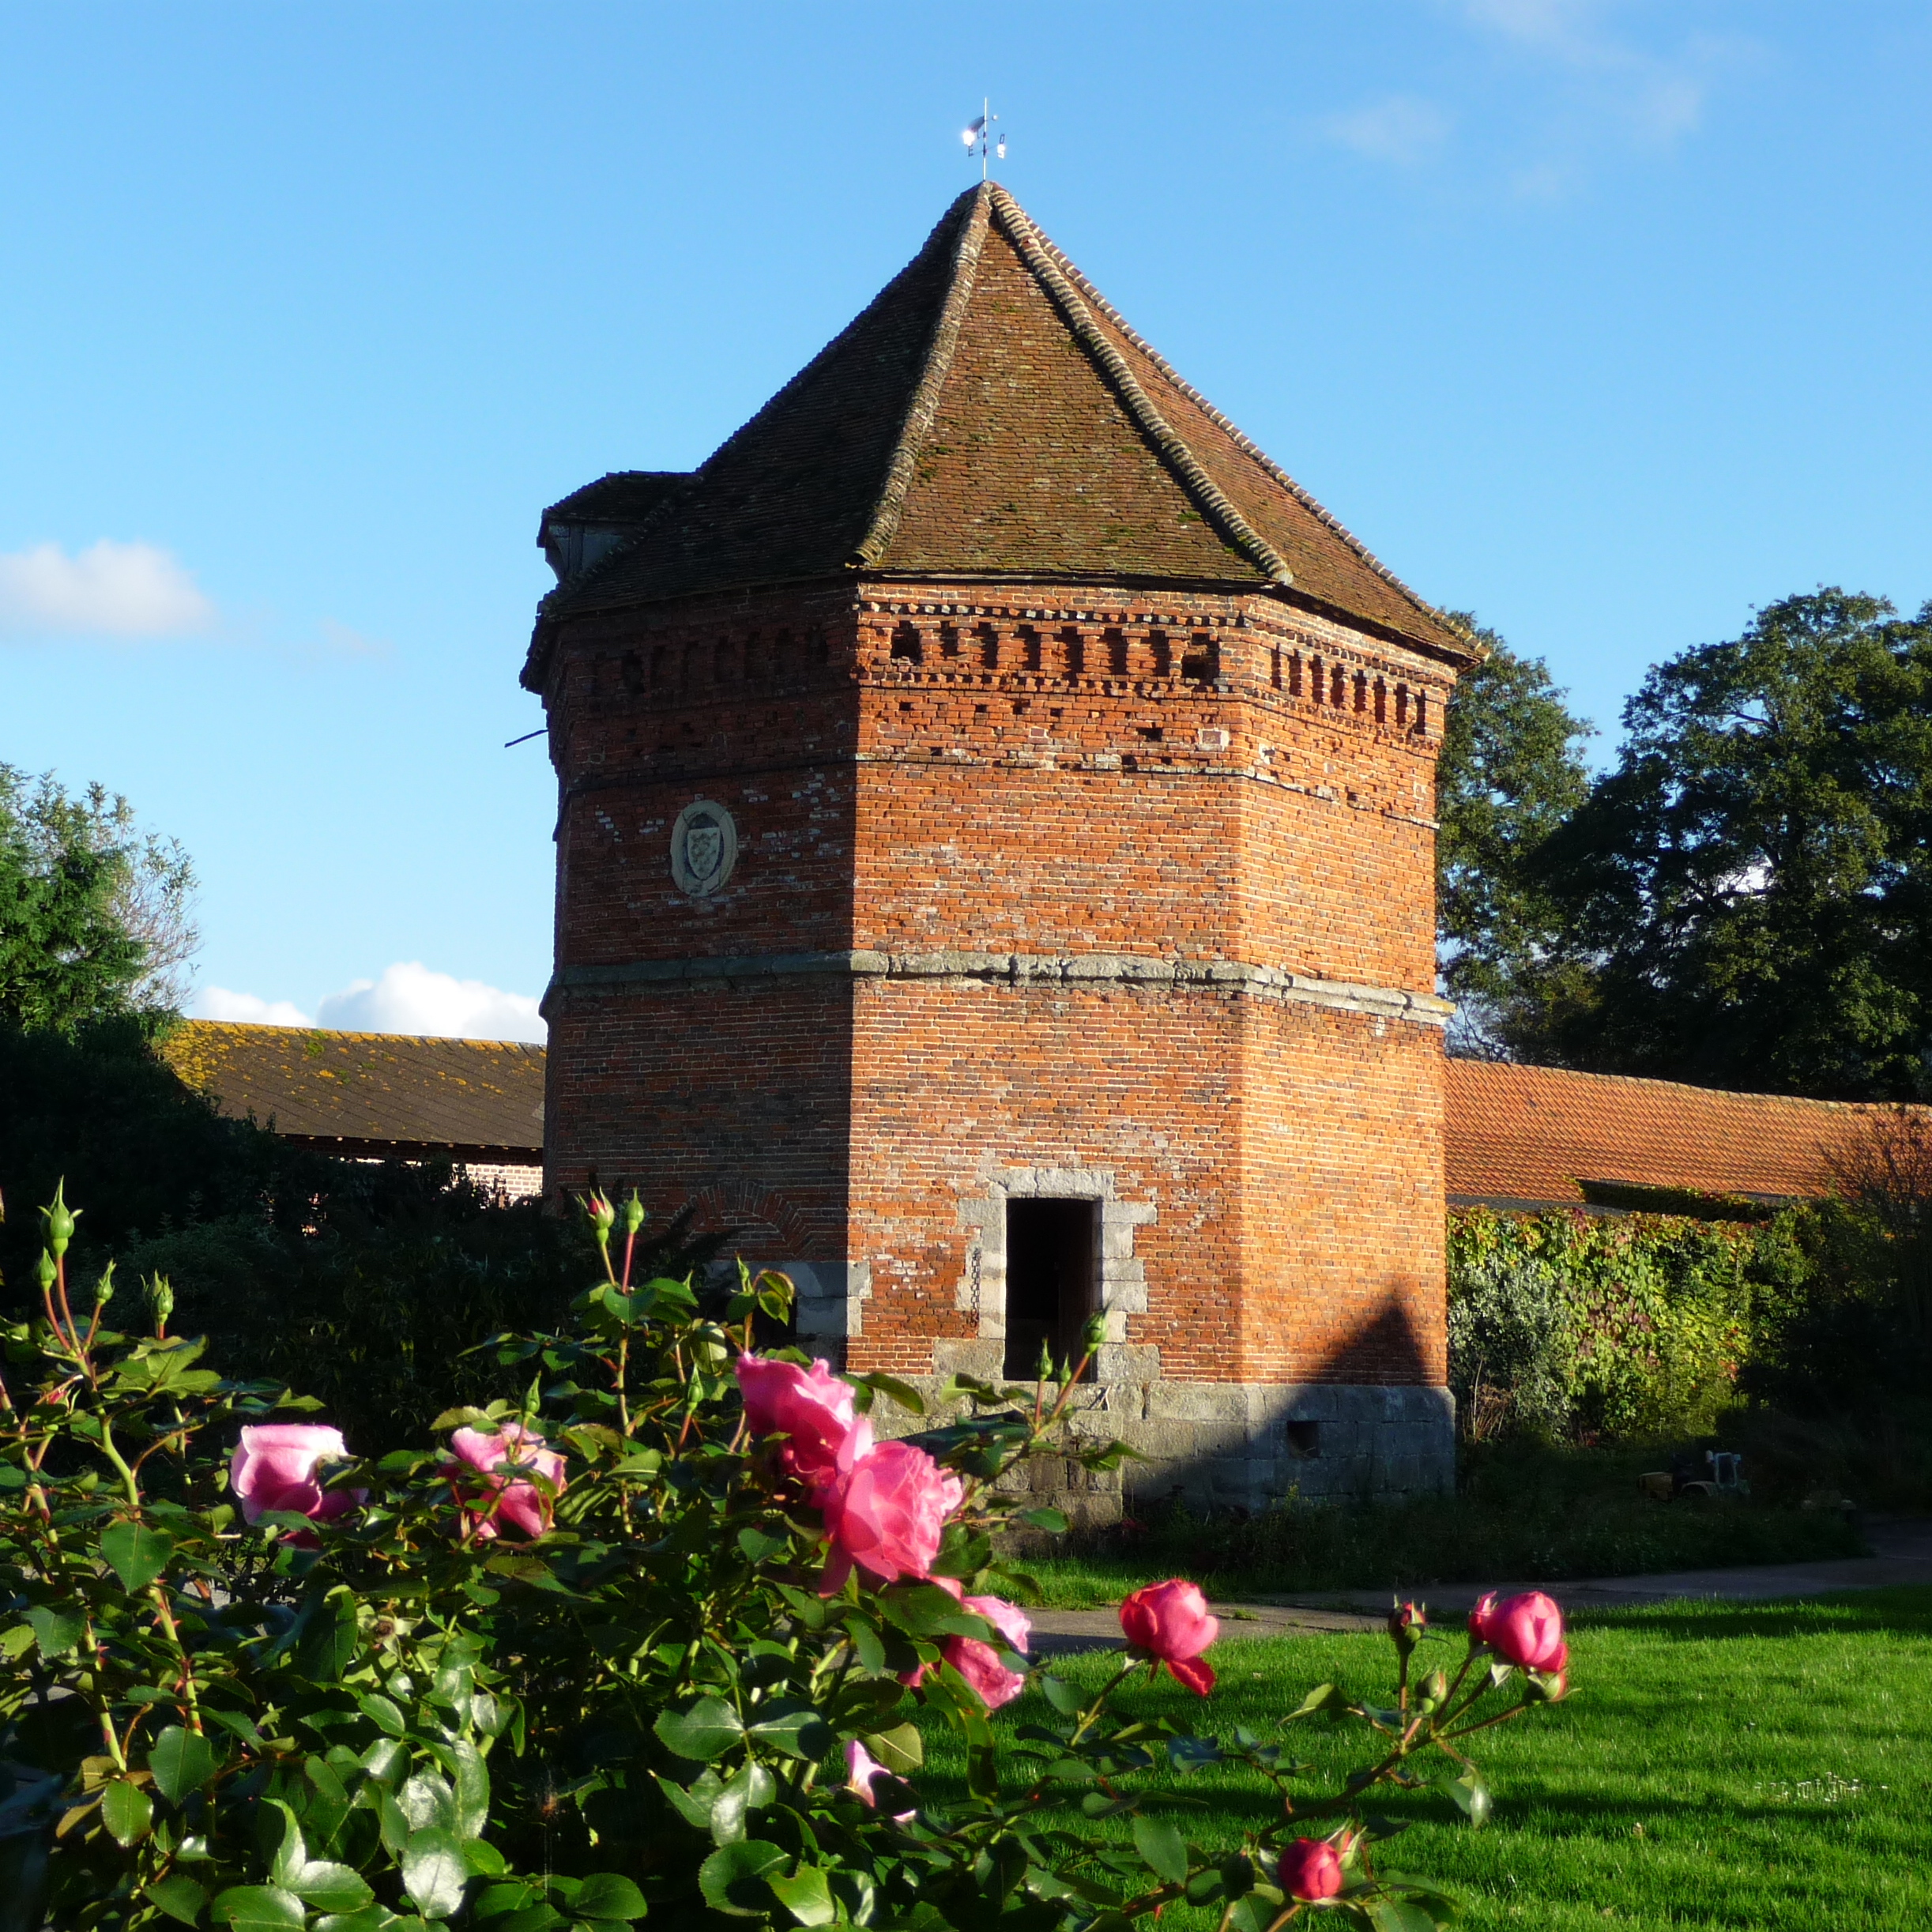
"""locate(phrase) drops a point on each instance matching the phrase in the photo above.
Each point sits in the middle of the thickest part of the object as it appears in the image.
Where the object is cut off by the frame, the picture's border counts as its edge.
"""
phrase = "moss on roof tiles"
(398, 1089)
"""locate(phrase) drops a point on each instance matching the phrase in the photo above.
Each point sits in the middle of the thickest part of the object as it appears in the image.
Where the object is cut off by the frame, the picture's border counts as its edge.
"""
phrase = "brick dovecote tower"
(995, 874)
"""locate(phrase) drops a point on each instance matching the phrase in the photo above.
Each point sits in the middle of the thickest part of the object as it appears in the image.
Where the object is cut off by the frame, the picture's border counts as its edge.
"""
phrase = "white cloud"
(1657, 99)
(218, 1003)
(1401, 129)
(108, 590)
(409, 998)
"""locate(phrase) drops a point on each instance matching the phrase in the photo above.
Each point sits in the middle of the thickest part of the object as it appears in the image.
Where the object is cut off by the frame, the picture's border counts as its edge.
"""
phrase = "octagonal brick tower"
(995, 877)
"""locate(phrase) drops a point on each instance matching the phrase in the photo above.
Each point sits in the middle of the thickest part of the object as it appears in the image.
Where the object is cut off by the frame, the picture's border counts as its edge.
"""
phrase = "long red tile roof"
(1531, 1134)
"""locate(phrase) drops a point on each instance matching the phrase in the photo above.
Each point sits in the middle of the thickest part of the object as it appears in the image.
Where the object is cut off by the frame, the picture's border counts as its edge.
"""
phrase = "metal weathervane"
(980, 135)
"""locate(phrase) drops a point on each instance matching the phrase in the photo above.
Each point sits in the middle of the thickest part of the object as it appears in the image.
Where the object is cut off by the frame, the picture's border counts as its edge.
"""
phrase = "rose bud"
(1406, 1624)
(1311, 1868)
(1170, 1621)
(1526, 1631)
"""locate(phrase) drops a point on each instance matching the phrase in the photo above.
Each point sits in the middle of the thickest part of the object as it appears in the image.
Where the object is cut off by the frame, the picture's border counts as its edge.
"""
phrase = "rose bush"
(662, 1633)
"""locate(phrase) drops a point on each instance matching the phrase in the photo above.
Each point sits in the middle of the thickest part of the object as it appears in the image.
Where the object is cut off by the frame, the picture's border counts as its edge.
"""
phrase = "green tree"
(94, 919)
(1751, 884)
(1511, 772)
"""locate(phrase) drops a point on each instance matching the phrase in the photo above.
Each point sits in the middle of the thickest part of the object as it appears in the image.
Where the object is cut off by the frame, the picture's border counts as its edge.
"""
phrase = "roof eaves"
(1044, 262)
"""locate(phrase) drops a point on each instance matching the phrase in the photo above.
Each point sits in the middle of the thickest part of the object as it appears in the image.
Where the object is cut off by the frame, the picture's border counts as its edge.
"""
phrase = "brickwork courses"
(1077, 850)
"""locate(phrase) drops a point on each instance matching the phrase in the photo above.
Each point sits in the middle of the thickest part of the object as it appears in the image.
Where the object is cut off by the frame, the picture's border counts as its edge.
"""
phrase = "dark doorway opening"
(1052, 1281)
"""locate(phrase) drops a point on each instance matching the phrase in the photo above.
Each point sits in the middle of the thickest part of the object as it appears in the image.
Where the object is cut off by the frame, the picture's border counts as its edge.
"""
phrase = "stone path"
(1902, 1549)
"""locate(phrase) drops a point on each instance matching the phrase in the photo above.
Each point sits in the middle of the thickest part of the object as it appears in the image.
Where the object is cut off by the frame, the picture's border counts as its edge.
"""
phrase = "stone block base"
(1234, 1445)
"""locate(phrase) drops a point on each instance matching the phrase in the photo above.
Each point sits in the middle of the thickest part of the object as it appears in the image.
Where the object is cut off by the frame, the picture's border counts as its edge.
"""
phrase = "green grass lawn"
(1519, 1511)
(1718, 1765)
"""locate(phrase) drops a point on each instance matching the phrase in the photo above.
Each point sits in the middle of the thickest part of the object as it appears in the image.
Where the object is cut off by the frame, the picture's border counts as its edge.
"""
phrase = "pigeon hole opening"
(1052, 1252)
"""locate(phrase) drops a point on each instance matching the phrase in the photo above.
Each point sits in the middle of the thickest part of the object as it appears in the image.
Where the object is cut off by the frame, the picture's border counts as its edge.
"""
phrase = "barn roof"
(370, 1093)
(1522, 1136)
(990, 416)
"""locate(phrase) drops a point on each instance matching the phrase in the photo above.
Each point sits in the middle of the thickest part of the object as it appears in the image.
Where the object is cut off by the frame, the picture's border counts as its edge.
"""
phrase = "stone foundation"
(1228, 1445)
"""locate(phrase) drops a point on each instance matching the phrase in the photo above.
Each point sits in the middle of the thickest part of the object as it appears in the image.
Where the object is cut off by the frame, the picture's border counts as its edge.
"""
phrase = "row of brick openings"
(1113, 653)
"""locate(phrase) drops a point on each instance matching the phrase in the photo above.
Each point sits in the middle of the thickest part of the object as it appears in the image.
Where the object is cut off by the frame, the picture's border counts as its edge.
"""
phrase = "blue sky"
(1608, 321)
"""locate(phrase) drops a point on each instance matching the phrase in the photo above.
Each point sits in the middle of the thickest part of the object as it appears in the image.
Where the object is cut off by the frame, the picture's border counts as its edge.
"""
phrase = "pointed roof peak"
(990, 415)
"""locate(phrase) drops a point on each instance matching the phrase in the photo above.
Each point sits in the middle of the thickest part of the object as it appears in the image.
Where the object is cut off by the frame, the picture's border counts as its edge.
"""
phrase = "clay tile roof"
(362, 1092)
(1524, 1135)
(621, 496)
(990, 415)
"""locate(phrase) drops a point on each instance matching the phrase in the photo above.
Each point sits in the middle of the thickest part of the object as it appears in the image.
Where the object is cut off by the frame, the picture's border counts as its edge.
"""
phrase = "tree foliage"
(94, 913)
(1510, 771)
(1750, 888)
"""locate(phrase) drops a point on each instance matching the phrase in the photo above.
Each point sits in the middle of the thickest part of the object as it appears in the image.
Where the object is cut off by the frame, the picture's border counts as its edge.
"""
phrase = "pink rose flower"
(498, 1455)
(1311, 1868)
(812, 1408)
(979, 1664)
(976, 1661)
(1525, 1630)
(861, 1768)
(886, 1510)
(1170, 1621)
(274, 1468)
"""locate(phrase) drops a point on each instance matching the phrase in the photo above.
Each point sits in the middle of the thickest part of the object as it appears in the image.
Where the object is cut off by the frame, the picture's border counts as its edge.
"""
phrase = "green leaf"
(382, 1714)
(708, 1730)
(370, 1918)
(1471, 1796)
(1054, 1520)
(1323, 1697)
(330, 1641)
(608, 1895)
(695, 1806)
(1254, 1913)
(472, 1789)
(127, 1811)
(260, 1908)
(796, 1729)
(903, 1393)
(1162, 1846)
(332, 1888)
(484, 1859)
(900, 1750)
(56, 1631)
(135, 1553)
(182, 1760)
(428, 1803)
(1060, 1693)
(179, 1897)
(1399, 1915)
(807, 1895)
(433, 1873)
(732, 1877)
(292, 1854)
(760, 1546)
